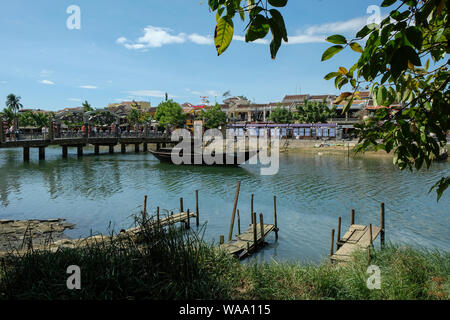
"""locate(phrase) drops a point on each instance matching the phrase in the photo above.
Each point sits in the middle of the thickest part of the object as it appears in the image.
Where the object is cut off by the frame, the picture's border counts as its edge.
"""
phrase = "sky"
(141, 49)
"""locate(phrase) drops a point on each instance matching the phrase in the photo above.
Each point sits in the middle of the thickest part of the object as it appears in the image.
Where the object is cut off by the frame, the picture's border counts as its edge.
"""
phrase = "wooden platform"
(357, 237)
(167, 220)
(243, 244)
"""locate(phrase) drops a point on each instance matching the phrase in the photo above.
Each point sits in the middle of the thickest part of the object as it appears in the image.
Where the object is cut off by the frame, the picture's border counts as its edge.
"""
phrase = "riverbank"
(174, 264)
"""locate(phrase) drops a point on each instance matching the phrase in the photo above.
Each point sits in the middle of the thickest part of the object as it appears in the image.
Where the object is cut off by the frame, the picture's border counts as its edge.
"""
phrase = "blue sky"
(141, 49)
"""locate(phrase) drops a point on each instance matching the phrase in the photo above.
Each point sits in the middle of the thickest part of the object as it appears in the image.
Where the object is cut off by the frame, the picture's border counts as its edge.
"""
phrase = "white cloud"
(207, 93)
(48, 82)
(155, 37)
(88, 87)
(199, 39)
(148, 93)
(351, 25)
(74, 99)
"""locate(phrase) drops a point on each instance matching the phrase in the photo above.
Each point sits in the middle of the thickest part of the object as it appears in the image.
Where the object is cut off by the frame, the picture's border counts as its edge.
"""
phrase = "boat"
(234, 158)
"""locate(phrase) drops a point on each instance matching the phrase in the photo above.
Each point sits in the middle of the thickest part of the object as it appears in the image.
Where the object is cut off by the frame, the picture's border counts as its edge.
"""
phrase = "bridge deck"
(244, 243)
(357, 237)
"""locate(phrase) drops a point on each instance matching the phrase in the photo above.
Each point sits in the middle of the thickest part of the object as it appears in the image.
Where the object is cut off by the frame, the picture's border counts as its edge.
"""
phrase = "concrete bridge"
(80, 141)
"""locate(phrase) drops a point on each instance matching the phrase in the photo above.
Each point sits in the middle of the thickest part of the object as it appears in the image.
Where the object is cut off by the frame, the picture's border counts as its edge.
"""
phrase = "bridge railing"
(29, 136)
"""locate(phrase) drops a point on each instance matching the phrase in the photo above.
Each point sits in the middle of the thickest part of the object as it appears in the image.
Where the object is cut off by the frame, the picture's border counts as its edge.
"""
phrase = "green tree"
(13, 103)
(214, 117)
(314, 112)
(134, 117)
(281, 115)
(394, 62)
(26, 119)
(170, 113)
(41, 119)
(8, 115)
(87, 107)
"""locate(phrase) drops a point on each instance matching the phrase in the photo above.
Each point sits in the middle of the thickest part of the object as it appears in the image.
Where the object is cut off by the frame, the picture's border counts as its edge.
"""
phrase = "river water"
(97, 193)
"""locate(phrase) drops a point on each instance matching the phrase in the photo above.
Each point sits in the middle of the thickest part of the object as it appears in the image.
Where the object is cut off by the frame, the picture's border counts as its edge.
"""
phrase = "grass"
(174, 264)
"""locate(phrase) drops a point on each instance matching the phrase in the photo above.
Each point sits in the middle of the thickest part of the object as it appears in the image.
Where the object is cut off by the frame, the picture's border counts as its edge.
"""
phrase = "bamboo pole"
(188, 221)
(352, 217)
(236, 198)
(157, 217)
(332, 242)
(181, 205)
(255, 238)
(275, 216)
(338, 239)
(239, 222)
(144, 213)
(261, 222)
(382, 225)
(197, 219)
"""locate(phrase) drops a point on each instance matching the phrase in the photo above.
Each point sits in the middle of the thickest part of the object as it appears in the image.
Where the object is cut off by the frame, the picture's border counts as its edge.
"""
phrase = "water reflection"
(312, 190)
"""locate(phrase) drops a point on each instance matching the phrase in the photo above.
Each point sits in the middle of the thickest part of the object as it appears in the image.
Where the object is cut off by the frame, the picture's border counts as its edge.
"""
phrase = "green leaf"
(223, 34)
(387, 3)
(356, 47)
(278, 3)
(363, 32)
(213, 4)
(337, 39)
(330, 52)
(276, 41)
(279, 20)
(414, 35)
(258, 28)
(331, 75)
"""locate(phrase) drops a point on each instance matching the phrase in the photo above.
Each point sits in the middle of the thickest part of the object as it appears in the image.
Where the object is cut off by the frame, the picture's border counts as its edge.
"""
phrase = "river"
(97, 193)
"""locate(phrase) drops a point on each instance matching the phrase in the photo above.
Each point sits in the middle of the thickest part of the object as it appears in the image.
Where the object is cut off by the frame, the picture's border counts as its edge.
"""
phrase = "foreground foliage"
(177, 264)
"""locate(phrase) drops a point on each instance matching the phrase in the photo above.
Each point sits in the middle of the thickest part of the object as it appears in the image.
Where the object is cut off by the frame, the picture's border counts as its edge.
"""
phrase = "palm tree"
(13, 103)
(8, 115)
(86, 106)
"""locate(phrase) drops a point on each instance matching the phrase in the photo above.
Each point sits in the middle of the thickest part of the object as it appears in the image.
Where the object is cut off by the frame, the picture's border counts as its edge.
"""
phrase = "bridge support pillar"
(80, 151)
(123, 148)
(26, 154)
(64, 152)
(111, 149)
(158, 146)
(41, 153)
(97, 149)
(145, 147)
(136, 148)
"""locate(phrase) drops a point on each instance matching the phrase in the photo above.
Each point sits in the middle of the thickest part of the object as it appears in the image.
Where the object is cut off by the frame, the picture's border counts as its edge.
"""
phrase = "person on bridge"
(12, 133)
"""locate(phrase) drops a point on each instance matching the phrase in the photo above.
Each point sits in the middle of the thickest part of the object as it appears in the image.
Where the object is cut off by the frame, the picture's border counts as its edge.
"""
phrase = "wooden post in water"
(255, 236)
(188, 221)
(352, 217)
(197, 219)
(236, 198)
(338, 239)
(275, 216)
(157, 217)
(261, 222)
(144, 213)
(181, 205)
(382, 225)
(332, 242)
(222, 239)
(370, 234)
(239, 223)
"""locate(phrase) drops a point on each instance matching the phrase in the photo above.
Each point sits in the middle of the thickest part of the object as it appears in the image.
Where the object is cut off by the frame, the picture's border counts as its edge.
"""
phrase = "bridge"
(80, 139)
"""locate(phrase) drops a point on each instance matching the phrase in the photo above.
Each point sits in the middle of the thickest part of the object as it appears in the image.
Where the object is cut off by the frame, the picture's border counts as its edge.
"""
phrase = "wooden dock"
(182, 217)
(244, 244)
(358, 237)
